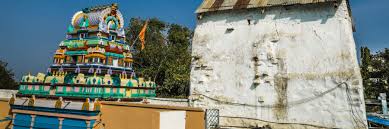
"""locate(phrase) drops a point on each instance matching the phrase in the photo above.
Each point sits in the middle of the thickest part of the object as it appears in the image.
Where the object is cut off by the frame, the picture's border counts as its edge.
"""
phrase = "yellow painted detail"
(128, 60)
(59, 56)
(95, 55)
(31, 101)
(85, 105)
(58, 103)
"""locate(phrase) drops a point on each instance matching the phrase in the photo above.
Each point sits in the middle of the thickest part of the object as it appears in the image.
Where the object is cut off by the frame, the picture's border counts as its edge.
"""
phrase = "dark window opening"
(112, 37)
(74, 60)
(94, 60)
(83, 35)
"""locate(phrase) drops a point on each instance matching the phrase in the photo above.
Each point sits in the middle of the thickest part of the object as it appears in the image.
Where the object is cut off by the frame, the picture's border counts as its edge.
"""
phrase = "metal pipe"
(384, 103)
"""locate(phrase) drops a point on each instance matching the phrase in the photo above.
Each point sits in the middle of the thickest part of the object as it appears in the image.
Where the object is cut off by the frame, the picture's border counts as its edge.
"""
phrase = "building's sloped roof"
(94, 14)
(99, 16)
(216, 5)
(97, 8)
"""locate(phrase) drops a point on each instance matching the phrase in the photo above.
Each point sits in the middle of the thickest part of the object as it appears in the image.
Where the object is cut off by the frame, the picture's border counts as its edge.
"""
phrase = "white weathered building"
(282, 63)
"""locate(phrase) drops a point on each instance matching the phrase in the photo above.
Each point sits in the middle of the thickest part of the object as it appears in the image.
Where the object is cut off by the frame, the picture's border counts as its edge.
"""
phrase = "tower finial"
(115, 6)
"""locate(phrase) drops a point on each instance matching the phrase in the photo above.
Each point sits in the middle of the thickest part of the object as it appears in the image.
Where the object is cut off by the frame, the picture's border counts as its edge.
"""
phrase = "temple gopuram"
(93, 61)
(93, 64)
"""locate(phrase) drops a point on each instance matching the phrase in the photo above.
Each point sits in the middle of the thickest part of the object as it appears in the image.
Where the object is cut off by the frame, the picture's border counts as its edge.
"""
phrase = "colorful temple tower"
(93, 62)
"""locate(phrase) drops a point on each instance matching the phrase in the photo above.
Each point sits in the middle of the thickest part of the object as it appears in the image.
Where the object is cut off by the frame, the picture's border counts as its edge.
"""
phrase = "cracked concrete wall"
(291, 67)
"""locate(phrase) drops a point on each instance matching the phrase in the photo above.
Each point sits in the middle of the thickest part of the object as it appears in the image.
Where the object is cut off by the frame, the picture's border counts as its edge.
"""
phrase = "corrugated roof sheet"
(216, 5)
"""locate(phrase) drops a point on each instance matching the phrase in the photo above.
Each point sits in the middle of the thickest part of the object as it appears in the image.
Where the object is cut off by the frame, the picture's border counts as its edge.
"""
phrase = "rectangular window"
(112, 37)
(74, 59)
(115, 62)
(79, 59)
(83, 35)
(68, 59)
(110, 61)
(95, 60)
(121, 63)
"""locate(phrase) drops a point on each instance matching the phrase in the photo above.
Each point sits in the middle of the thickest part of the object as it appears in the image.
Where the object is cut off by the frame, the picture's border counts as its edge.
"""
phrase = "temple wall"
(4, 110)
(287, 69)
(146, 116)
(4, 107)
(116, 115)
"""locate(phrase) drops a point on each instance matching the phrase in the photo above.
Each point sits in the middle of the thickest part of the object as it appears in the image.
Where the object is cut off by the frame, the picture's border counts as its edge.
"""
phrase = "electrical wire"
(304, 124)
(290, 104)
(355, 116)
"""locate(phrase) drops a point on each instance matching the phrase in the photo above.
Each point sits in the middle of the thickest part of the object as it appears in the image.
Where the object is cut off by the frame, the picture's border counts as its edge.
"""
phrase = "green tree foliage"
(365, 64)
(375, 72)
(166, 57)
(6, 77)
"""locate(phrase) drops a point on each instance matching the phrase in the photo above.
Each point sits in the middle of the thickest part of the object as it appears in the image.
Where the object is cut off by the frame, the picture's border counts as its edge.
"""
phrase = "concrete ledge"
(169, 102)
(153, 106)
(5, 93)
(4, 99)
(170, 99)
(76, 98)
(61, 115)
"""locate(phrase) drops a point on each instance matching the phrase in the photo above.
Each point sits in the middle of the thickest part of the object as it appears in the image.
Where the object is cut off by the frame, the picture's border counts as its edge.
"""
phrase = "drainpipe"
(382, 97)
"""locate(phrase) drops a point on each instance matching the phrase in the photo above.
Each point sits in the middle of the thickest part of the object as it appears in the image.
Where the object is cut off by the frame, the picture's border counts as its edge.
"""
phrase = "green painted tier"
(86, 91)
(91, 86)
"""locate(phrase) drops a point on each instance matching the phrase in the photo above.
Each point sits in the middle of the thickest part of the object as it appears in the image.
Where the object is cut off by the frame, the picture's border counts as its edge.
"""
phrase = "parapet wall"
(169, 101)
(4, 93)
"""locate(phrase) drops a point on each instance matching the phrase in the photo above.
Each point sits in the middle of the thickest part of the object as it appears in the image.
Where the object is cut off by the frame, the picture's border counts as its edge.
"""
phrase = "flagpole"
(138, 35)
(134, 41)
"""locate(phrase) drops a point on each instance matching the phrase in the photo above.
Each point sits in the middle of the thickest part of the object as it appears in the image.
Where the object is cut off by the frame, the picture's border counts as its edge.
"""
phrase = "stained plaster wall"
(282, 70)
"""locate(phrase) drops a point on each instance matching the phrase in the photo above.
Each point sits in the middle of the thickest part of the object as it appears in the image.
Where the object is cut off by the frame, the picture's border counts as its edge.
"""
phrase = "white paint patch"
(172, 120)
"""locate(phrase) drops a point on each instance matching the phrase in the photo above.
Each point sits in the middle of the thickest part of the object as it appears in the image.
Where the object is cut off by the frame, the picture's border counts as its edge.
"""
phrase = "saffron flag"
(142, 35)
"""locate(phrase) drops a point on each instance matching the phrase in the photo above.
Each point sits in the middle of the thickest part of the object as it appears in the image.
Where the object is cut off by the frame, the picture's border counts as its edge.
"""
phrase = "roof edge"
(220, 5)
